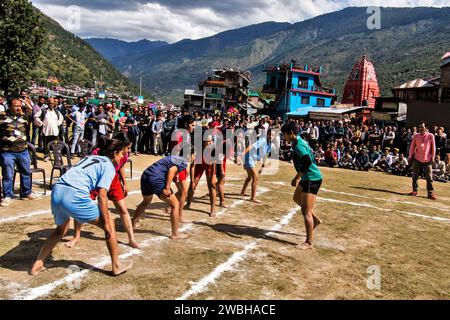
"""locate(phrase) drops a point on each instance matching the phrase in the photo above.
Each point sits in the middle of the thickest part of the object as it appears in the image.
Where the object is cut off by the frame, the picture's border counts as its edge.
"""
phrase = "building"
(433, 89)
(224, 89)
(389, 110)
(444, 90)
(428, 99)
(418, 89)
(193, 100)
(297, 89)
(362, 87)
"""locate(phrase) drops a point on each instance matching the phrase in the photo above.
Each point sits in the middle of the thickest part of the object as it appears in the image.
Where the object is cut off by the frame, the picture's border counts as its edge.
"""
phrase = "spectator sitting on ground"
(320, 157)
(346, 161)
(388, 154)
(374, 155)
(382, 163)
(395, 155)
(447, 167)
(400, 166)
(331, 158)
(362, 160)
(438, 167)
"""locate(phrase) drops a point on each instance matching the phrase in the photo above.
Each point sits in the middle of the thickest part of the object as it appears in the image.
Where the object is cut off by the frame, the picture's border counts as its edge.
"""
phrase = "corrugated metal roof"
(416, 83)
(189, 92)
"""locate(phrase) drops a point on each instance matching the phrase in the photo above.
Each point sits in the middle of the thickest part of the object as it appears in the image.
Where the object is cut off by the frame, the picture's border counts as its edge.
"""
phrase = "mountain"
(71, 60)
(112, 48)
(408, 45)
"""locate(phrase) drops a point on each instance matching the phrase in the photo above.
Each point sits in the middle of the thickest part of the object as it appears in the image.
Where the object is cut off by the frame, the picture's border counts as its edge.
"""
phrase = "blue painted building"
(297, 89)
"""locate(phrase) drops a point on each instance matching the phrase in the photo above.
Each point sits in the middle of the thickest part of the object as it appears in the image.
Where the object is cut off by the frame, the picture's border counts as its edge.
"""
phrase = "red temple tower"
(362, 87)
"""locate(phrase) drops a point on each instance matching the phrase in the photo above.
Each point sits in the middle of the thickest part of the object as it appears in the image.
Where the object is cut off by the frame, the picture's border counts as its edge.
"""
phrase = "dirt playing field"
(248, 251)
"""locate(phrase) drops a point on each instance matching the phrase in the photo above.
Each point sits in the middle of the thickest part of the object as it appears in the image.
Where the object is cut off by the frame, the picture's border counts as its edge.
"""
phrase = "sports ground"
(375, 243)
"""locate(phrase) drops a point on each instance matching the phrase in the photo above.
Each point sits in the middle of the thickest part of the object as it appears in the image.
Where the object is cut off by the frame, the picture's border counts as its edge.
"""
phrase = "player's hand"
(125, 191)
(166, 193)
(294, 182)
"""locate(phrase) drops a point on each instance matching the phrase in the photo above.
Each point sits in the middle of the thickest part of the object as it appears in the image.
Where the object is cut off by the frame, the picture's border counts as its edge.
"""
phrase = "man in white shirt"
(50, 119)
(157, 128)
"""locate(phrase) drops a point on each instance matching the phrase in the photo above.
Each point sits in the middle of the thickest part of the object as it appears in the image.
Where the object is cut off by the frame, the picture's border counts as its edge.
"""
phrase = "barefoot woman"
(70, 199)
(311, 180)
(117, 193)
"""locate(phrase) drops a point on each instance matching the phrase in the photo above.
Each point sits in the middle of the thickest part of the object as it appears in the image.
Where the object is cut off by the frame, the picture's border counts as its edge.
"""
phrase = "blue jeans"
(8, 161)
(78, 133)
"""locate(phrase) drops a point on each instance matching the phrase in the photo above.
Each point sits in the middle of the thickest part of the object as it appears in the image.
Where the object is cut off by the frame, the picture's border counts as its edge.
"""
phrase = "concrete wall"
(433, 113)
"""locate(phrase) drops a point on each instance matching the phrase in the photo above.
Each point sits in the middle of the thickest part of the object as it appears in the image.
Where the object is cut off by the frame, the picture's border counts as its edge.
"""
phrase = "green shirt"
(301, 149)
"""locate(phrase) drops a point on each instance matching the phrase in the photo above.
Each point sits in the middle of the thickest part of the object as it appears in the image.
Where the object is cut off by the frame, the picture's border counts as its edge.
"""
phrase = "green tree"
(22, 37)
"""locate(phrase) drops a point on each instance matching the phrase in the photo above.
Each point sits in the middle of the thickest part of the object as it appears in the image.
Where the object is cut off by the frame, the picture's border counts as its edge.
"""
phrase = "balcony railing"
(217, 96)
(286, 66)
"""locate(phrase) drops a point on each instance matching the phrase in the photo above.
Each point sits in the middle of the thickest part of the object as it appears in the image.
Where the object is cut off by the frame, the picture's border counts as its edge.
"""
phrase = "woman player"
(71, 199)
(311, 180)
(156, 180)
(117, 194)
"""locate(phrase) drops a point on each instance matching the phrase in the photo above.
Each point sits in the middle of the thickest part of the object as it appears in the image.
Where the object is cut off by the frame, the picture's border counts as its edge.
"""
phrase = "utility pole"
(140, 86)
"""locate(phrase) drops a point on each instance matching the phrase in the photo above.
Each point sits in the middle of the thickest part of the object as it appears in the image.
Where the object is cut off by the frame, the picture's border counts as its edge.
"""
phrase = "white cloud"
(173, 20)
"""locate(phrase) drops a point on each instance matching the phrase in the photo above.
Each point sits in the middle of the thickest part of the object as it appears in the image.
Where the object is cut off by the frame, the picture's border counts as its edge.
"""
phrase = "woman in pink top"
(421, 154)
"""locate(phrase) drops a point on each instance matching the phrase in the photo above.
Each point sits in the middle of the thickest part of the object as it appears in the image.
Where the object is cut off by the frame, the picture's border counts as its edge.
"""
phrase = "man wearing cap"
(421, 153)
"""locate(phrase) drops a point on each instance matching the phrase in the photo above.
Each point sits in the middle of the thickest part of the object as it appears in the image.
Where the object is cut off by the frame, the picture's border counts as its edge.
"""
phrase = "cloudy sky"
(173, 20)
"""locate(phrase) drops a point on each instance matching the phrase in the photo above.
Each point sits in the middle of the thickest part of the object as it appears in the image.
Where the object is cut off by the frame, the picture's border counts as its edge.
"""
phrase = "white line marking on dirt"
(383, 199)
(281, 183)
(237, 257)
(366, 205)
(24, 216)
(34, 293)
(42, 212)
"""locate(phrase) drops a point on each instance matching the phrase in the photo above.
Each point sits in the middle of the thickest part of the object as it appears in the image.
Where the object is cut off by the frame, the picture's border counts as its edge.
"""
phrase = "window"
(303, 82)
(305, 100)
(320, 102)
(215, 90)
(272, 81)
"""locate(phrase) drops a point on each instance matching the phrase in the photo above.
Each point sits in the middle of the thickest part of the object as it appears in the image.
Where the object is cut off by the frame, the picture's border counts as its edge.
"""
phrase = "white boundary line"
(382, 199)
(281, 183)
(37, 292)
(41, 212)
(440, 219)
(237, 257)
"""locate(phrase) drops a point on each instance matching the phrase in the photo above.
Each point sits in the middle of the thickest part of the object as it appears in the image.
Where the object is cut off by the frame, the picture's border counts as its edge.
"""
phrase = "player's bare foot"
(256, 201)
(223, 205)
(121, 269)
(305, 246)
(243, 194)
(134, 244)
(72, 243)
(212, 214)
(180, 236)
(37, 268)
